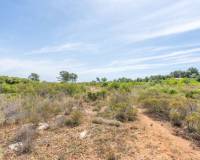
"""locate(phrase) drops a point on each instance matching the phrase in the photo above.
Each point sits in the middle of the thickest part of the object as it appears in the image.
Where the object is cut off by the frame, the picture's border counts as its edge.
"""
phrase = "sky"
(98, 38)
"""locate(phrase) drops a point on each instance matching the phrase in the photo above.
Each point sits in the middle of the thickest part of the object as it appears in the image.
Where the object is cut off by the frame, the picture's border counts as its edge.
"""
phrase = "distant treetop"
(65, 76)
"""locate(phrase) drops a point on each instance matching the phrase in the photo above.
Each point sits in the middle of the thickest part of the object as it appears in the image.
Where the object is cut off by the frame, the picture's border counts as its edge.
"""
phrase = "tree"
(73, 77)
(192, 72)
(178, 74)
(198, 78)
(98, 79)
(67, 77)
(104, 79)
(101, 80)
(34, 77)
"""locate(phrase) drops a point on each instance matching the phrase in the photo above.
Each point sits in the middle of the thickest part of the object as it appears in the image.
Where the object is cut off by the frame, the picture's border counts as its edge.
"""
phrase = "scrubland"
(100, 120)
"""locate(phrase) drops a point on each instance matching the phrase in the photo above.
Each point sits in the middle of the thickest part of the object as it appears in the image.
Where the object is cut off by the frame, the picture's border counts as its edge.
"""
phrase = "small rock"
(16, 146)
(83, 134)
(43, 126)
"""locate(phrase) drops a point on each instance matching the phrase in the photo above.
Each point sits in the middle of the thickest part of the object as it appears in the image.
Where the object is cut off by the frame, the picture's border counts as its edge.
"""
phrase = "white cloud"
(146, 63)
(167, 30)
(153, 19)
(67, 47)
(161, 57)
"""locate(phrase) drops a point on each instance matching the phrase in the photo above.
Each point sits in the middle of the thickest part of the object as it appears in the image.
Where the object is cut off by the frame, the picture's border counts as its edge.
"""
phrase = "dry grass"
(75, 119)
(99, 120)
(25, 135)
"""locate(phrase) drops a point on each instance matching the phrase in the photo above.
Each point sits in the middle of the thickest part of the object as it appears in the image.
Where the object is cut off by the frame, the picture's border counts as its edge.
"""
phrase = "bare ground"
(144, 139)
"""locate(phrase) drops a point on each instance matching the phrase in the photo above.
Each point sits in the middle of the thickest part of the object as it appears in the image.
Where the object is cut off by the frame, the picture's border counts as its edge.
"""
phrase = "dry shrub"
(120, 107)
(34, 109)
(157, 105)
(10, 110)
(178, 111)
(193, 122)
(25, 135)
(75, 119)
(126, 113)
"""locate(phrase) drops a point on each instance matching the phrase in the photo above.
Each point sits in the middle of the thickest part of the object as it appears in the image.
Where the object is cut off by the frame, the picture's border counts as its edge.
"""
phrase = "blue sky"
(97, 38)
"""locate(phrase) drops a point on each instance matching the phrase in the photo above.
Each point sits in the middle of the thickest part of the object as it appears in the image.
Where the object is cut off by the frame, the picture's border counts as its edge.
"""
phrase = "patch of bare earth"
(144, 139)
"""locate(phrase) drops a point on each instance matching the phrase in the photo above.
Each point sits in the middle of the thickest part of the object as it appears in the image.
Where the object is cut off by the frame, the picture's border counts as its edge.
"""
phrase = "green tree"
(198, 78)
(67, 77)
(73, 77)
(104, 79)
(192, 72)
(98, 79)
(34, 77)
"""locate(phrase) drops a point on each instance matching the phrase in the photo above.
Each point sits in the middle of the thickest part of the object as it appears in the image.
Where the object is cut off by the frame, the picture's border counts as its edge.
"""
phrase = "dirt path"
(157, 142)
(143, 139)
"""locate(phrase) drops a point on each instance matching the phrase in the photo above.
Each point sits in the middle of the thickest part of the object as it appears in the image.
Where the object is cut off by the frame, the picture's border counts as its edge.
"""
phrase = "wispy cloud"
(135, 64)
(167, 30)
(149, 21)
(92, 37)
(67, 47)
(161, 57)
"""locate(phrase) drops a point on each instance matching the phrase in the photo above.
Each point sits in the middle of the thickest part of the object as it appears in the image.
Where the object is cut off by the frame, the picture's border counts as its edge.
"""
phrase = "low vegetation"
(174, 98)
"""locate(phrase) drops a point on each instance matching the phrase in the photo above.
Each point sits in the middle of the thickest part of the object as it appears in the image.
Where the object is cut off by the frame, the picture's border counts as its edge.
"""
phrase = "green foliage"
(114, 85)
(198, 78)
(190, 73)
(93, 96)
(67, 77)
(34, 77)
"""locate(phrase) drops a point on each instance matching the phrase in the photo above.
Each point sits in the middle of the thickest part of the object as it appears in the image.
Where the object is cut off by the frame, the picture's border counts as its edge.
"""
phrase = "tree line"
(65, 76)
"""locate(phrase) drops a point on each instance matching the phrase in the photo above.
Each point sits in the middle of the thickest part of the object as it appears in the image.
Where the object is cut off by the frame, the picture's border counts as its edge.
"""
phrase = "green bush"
(93, 96)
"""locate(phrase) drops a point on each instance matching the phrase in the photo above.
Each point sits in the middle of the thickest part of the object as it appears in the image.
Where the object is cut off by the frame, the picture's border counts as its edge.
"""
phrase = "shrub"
(157, 105)
(125, 113)
(176, 117)
(25, 135)
(114, 85)
(75, 119)
(189, 94)
(178, 111)
(93, 96)
(121, 107)
(193, 122)
(172, 91)
(198, 78)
